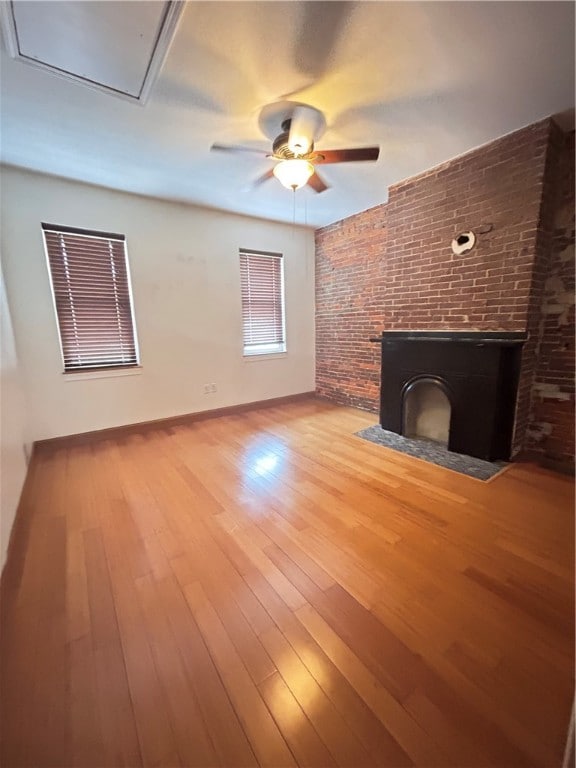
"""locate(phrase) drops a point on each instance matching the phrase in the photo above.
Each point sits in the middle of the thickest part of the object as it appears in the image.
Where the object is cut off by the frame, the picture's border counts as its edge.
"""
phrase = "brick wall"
(550, 433)
(392, 267)
(350, 271)
(539, 269)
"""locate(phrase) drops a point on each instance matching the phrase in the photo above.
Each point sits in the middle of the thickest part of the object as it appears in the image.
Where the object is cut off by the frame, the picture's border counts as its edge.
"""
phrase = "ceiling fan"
(293, 148)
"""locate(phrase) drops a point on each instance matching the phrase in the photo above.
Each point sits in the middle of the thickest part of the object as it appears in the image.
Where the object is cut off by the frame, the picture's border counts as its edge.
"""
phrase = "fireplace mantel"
(502, 338)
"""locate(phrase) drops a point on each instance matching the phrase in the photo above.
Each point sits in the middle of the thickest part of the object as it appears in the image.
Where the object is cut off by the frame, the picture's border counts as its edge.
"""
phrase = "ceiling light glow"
(293, 174)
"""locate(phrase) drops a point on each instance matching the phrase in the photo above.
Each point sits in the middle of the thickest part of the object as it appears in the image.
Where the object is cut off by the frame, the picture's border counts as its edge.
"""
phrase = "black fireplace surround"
(478, 372)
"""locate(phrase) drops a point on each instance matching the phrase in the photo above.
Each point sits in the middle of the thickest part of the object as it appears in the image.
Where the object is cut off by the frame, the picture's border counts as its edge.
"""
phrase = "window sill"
(135, 370)
(254, 357)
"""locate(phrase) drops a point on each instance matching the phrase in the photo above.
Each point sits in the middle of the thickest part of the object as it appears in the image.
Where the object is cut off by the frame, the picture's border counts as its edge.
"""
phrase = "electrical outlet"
(207, 389)
(213, 388)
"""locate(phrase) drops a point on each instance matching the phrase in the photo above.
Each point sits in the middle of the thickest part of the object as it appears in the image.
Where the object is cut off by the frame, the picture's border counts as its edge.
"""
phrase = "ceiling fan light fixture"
(293, 174)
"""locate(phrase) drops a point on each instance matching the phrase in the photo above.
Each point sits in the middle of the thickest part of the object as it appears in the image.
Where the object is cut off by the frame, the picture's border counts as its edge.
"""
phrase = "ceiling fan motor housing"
(280, 146)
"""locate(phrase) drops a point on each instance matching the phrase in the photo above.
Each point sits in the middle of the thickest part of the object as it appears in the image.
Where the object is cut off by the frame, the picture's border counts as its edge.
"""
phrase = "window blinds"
(91, 289)
(262, 301)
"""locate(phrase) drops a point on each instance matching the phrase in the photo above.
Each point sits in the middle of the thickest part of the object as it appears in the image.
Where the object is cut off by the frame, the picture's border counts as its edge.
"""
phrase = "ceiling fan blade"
(317, 183)
(261, 179)
(237, 148)
(327, 156)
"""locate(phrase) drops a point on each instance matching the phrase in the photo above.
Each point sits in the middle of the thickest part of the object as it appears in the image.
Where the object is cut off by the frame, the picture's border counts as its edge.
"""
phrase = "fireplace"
(456, 388)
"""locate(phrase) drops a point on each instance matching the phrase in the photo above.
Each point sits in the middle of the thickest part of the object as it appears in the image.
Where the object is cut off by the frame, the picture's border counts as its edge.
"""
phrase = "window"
(91, 288)
(262, 302)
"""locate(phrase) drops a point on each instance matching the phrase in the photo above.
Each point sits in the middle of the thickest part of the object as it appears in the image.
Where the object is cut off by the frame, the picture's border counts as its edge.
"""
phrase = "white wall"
(186, 284)
(12, 457)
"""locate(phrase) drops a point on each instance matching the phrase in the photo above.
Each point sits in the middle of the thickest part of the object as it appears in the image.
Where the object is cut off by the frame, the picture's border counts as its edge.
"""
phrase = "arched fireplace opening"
(426, 410)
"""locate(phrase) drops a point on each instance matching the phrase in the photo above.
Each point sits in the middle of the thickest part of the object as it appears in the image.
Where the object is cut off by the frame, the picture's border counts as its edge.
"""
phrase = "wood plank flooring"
(268, 589)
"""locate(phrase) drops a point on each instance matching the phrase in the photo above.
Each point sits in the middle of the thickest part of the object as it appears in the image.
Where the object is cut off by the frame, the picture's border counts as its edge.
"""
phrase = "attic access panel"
(117, 47)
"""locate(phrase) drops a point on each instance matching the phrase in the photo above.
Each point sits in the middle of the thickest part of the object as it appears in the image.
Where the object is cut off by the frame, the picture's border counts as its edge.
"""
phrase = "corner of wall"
(550, 418)
(13, 448)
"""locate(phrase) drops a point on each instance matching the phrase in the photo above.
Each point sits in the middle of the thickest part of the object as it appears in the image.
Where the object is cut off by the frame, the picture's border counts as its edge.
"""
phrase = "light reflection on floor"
(263, 465)
(263, 459)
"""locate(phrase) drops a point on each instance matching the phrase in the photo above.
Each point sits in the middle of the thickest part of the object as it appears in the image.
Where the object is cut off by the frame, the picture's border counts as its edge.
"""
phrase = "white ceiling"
(425, 80)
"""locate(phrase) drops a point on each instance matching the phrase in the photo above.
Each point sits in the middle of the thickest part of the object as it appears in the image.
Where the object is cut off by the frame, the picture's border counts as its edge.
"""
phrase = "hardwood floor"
(268, 589)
